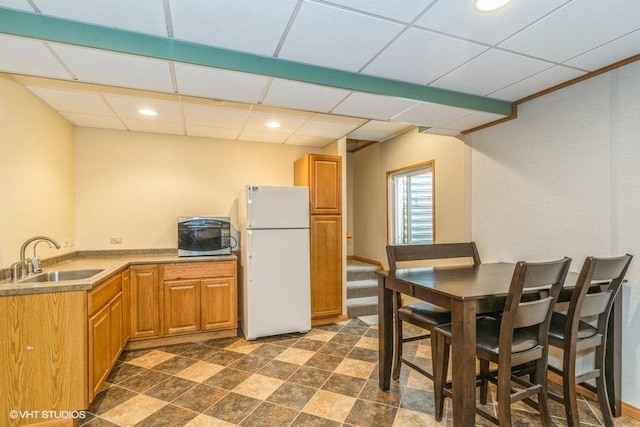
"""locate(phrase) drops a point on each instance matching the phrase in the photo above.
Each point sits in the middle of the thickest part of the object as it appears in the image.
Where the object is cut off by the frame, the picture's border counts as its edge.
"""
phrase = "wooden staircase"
(362, 289)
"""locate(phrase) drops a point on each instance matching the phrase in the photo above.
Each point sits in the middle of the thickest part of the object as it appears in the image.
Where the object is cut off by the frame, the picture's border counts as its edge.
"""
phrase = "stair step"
(358, 270)
(364, 306)
(362, 288)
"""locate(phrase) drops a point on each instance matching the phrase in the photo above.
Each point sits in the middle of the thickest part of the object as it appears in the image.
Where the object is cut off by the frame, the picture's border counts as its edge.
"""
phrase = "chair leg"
(440, 362)
(603, 397)
(543, 398)
(484, 383)
(503, 391)
(397, 338)
(569, 394)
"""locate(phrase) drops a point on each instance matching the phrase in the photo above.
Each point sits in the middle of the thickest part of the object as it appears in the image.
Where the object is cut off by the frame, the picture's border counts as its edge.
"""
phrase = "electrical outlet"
(69, 242)
(115, 240)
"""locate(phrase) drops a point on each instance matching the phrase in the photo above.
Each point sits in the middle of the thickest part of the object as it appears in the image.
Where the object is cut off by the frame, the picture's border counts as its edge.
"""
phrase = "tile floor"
(327, 377)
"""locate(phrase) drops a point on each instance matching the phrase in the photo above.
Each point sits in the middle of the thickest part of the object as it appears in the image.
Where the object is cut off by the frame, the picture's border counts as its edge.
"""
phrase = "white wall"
(563, 179)
(134, 185)
(369, 188)
(36, 173)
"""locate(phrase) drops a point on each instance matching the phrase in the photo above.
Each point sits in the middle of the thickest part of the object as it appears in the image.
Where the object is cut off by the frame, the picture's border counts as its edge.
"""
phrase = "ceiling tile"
(209, 115)
(257, 136)
(219, 84)
(491, 71)
(127, 108)
(473, 120)
(116, 69)
(17, 4)
(144, 16)
(257, 121)
(324, 128)
(427, 114)
(536, 83)
(212, 132)
(379, 131)
(308, 141)
(348, 43)
(372, 106)
(424, 56)
(72, 102)
(402, 10)
(246, 25)
(93, 121)
(617, 50)
(560, 36)
(154, 126)
(29, 57)
(459, 18)
(303, 96)
(443, 131)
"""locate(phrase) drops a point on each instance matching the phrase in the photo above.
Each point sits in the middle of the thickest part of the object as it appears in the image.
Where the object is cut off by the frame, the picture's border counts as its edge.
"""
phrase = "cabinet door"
(326, 265)
(181, 306)
(325, 185)
(99, 354)
(145, 301)
(126, 308)
(116, 337)
(219, 303)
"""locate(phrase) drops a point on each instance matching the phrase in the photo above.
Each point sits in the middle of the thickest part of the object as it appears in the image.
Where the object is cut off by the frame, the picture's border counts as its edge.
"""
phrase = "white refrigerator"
(276, 292)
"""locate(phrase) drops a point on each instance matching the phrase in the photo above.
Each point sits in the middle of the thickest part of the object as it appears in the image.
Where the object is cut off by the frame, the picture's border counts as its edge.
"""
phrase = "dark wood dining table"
(468, 291)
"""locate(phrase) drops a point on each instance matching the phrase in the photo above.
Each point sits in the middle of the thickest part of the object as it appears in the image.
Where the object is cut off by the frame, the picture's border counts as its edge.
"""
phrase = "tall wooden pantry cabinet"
(323, 175)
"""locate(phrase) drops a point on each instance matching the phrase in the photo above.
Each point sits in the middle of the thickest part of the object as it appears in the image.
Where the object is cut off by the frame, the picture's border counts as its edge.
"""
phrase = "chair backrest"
(543, 281)
(401, 253)
(596, 289)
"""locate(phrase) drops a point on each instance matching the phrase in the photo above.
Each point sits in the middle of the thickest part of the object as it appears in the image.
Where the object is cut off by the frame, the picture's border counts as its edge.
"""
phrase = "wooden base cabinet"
(199, 296)
(43, 352)
(105, 330)
(145, 301)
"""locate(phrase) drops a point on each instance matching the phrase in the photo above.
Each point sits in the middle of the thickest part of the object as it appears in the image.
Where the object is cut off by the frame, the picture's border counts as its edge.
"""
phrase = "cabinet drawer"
(99, 297)
(199, 270)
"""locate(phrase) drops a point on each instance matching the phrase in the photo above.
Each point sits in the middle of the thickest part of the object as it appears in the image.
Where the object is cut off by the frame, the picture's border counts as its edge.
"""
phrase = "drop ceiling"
(365, 69)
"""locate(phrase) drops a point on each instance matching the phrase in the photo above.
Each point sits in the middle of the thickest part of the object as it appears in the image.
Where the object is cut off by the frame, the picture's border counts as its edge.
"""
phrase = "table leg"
(385, 334)
(463, 355)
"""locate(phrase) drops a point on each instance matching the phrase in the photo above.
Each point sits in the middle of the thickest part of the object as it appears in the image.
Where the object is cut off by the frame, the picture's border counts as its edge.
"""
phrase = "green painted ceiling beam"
(37, 26)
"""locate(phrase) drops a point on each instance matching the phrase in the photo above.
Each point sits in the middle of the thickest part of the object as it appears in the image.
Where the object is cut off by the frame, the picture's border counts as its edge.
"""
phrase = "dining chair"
(423, 315)
(515, 339)
(592, 298)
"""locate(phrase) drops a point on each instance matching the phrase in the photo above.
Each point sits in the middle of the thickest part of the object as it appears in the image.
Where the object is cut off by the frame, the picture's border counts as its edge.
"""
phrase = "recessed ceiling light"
(147, 112)
(273, 125)
(489, 5)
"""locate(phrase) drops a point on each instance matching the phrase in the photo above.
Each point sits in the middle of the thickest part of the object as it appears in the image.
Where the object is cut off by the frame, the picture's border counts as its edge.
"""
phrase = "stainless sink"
(57, 276)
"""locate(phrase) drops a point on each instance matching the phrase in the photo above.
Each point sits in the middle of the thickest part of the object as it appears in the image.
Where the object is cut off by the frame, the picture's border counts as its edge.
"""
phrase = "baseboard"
(367, 260)
(180, 339)
(328, 320)
(627, 410)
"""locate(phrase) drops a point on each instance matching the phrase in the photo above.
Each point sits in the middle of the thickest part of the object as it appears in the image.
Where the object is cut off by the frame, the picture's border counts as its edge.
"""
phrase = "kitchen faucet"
(25, 267)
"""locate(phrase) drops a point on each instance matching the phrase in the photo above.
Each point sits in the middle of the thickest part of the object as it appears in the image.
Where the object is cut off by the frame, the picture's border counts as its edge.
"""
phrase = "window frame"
(390, 196)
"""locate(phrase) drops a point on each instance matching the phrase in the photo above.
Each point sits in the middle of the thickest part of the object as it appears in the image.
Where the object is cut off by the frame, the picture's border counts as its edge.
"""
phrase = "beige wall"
(36, 173)
(369, 188)
(134, 185)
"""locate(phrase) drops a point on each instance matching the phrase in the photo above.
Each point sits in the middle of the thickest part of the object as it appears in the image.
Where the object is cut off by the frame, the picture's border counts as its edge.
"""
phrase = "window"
(410, 193)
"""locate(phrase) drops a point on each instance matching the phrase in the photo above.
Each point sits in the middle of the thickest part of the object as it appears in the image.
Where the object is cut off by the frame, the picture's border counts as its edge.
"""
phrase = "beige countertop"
(109, 264)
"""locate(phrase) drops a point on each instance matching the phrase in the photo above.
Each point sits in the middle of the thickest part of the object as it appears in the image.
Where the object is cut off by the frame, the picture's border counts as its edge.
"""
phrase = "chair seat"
(423, 314)
(488, 334)
(558, 324)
